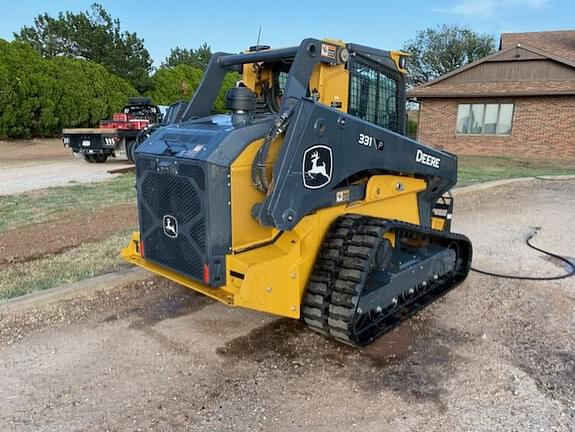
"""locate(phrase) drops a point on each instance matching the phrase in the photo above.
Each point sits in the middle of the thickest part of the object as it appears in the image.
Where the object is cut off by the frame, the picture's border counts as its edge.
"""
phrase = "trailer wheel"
(100, 157)
(130, 148)
(89, 158)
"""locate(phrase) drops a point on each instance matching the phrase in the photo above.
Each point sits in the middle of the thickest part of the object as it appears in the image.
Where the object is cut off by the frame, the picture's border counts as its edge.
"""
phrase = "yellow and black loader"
(306, 200)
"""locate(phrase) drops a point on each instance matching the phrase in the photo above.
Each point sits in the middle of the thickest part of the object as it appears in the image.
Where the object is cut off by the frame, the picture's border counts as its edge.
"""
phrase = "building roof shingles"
(557, 44)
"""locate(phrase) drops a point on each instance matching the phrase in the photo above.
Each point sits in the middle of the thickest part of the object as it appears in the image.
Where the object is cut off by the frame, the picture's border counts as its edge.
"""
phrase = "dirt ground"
(41, 163)
(493, 355)
(70, 230)
(33, 150)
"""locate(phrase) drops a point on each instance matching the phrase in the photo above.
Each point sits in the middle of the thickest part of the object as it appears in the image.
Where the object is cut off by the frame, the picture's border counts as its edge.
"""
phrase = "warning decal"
(328, 51)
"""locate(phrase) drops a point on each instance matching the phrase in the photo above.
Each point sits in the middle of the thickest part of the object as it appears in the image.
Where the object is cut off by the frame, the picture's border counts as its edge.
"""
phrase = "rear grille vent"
(181, 197)
(143, 164)
(197, 138)
(194, 172)
(172, 195)
(197, 233)
(178, 253)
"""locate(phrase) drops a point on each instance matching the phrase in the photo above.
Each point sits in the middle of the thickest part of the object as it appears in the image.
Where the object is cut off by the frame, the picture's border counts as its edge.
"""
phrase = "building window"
(484, 119)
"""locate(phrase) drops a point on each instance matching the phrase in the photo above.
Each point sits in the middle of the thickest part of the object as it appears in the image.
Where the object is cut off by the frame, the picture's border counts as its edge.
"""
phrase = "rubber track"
(342, 269)
(317, 298)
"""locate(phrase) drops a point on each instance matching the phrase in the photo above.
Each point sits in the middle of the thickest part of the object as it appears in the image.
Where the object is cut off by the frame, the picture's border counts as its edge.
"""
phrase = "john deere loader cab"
(305, 200)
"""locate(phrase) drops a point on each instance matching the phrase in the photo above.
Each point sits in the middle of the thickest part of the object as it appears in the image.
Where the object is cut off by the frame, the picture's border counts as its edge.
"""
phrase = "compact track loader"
(306, 200)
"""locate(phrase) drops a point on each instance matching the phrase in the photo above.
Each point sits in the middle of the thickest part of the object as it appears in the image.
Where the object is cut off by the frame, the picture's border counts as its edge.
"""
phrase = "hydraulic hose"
(570, 271)
(259, 174)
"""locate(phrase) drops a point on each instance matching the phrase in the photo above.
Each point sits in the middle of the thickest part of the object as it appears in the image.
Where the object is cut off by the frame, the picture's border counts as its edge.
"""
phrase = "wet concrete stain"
(395, 346)
(166, 308)
(412, 361)
(158, 308)
(176, 302)
(291, 339)
(172, 307)
(276, 339)
(419, 372)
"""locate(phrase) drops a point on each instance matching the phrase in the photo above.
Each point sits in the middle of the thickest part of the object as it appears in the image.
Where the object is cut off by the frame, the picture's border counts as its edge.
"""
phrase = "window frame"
(396, 77)
(483, 115)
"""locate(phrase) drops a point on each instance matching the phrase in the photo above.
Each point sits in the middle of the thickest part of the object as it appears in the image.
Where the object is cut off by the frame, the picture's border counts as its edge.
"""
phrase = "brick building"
(517, 101)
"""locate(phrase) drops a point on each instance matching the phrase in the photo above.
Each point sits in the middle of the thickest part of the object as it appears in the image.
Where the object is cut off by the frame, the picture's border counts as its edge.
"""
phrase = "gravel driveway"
(38, 164)
(493, 355)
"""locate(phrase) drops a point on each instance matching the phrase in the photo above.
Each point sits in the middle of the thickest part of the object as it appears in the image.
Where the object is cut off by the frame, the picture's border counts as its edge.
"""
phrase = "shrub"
(39, 97)
(171, 84)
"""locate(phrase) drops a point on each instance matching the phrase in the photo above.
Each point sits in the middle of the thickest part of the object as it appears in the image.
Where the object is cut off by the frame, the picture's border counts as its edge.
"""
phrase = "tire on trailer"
(100, 157)
(88, 158)
(130, 147)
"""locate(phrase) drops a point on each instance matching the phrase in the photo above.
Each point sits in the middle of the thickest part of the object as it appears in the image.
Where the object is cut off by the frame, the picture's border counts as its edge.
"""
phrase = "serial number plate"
(86, 143)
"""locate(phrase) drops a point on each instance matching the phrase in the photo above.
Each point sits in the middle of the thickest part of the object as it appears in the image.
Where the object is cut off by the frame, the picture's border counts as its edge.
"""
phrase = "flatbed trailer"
(116, 137)
(97, 144)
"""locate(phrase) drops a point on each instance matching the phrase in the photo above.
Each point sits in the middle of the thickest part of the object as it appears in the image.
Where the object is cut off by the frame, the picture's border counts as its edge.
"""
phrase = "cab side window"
(373, 95)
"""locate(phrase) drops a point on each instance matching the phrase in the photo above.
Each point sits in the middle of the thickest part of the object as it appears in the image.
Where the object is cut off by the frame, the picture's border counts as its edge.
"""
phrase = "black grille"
(179, 253)
(177, 195)
(197, 138)
(173, 195)
(194, 172)
(198, 234)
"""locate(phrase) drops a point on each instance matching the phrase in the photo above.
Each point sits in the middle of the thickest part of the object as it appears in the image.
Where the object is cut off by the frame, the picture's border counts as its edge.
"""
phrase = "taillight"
(206, 273)
(142, 248)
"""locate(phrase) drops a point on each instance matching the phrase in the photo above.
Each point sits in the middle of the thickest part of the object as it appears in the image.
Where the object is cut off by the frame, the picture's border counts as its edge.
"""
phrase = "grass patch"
(48, 204)
(477, 169)
(83, 262)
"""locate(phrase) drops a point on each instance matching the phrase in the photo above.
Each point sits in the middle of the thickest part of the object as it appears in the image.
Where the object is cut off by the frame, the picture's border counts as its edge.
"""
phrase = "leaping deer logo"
(317, 166)
(170, 226)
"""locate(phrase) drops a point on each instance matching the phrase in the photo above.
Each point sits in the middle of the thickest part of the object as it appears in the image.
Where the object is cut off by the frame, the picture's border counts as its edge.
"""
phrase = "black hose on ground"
(570, 271)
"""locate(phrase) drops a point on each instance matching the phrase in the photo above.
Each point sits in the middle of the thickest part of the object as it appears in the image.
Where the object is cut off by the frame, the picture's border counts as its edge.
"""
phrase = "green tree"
(172, 84)
(175, 83)
(39, 97)
(199, 57)
(91, 35)
(436, 51)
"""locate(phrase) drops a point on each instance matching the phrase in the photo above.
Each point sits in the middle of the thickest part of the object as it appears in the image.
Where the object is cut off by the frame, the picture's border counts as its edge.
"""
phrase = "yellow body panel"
(331, 81)
(131, 253)
(246, 231)
(253, 76)
(272, 278)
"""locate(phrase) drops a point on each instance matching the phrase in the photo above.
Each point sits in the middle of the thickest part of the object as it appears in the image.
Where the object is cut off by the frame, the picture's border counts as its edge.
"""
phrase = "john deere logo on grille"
(317, 166)
(170, 226)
